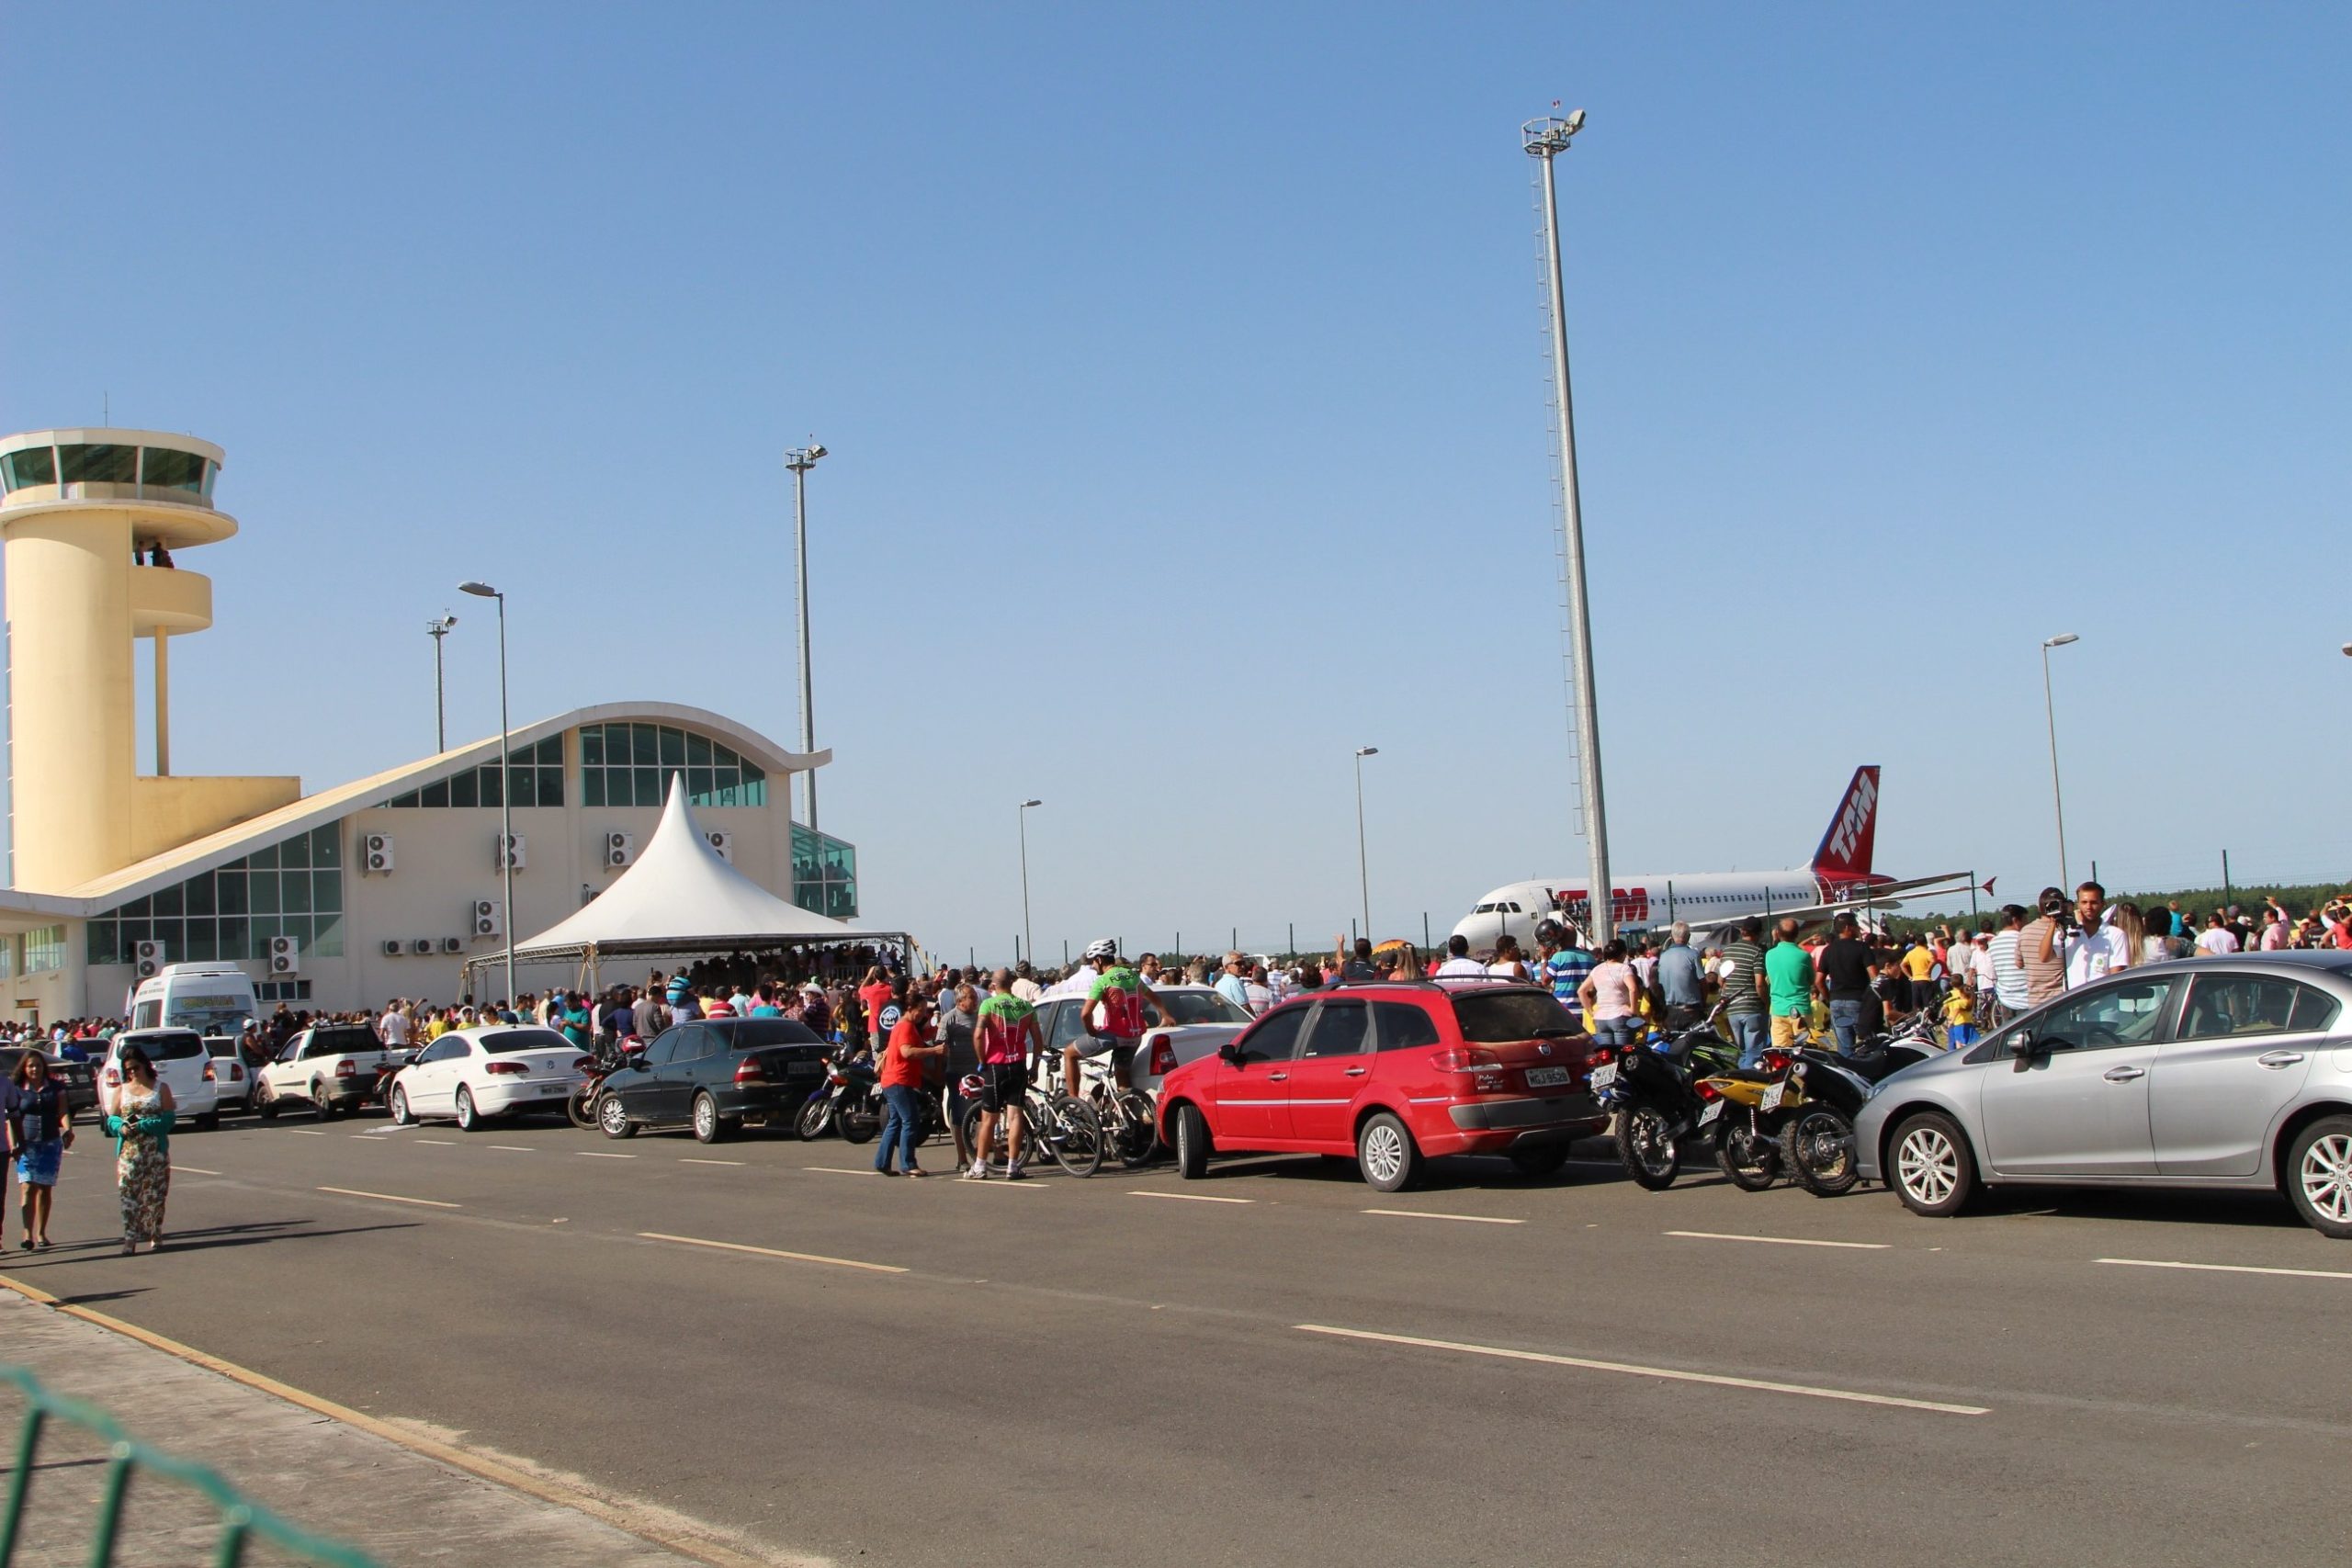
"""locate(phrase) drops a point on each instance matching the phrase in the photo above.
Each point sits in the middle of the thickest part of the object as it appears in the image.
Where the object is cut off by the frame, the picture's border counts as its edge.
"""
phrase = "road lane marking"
(392, 1197)
(194, 1169)
(599, 1154)
(437, 1143)
(773, 1252)
(840, 1169)
(513, 1148)
(2228, 1267)
(1673, 1373)
(1431, 1214)
(1189, 1197)
(689, 1159)
(1784, 1240)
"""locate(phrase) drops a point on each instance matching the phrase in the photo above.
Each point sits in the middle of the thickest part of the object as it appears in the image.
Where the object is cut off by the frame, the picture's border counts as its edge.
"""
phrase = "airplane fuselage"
(1639, 901)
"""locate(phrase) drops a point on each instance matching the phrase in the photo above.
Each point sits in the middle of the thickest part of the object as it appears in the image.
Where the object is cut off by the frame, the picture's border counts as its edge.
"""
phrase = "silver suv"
(2214, 1073)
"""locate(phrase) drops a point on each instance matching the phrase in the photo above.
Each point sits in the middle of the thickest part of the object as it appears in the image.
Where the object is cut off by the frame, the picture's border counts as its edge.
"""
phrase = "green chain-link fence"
(241, 1521)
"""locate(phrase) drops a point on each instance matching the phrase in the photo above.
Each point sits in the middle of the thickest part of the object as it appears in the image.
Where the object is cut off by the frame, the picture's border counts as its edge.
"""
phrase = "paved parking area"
(1277, 1364)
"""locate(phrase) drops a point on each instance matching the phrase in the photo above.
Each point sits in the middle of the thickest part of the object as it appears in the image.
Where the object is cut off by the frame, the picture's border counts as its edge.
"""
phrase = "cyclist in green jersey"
(1121, 995)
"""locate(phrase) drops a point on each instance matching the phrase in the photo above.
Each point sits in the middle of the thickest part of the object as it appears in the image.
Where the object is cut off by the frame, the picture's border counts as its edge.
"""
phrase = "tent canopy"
(681, 898)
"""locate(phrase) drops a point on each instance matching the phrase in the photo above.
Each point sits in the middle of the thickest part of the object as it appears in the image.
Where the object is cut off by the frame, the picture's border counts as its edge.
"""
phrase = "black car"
(81, 1083)
(714, 1076)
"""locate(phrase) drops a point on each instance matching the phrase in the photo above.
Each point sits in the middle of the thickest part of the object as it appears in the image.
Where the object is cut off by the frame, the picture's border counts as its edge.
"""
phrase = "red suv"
(1393, 1074)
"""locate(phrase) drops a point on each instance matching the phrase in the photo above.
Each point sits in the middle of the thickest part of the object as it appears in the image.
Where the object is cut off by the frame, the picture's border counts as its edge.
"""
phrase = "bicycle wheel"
(1138, 1136)
(1077, 1138)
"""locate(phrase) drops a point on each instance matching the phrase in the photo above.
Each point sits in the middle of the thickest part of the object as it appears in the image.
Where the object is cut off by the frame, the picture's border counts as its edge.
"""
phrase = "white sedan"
(473, 1074)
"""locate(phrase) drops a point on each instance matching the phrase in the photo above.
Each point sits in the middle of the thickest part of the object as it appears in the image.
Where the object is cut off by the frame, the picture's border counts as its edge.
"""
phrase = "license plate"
(1602, 1076)
(1771, 1101)
(1544, 1078)
(1714, 1108)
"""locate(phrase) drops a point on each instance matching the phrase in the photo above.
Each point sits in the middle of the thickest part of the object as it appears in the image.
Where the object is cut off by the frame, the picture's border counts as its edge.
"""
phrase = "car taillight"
(1467, 1059)
(748, 1071)
(209, 1076)
(236, 1072)
(1163, 1057)
(345, 1069)
(113, 1078)
(517, 1068)
(583, 1064)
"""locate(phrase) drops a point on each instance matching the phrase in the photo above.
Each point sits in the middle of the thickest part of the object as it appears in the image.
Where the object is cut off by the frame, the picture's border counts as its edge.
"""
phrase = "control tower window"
(99, 465)
(168, 469)
(33, 466)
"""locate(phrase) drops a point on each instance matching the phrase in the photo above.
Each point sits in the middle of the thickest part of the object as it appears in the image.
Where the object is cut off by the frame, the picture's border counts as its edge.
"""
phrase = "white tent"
(681, 898)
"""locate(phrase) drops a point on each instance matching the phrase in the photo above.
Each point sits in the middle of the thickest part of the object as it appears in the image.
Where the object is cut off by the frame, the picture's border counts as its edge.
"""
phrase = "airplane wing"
(1884, 893)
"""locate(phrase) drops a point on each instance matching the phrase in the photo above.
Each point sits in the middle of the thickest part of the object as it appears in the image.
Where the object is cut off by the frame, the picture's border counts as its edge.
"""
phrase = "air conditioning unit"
(509, 846)
(724, 842)
(285, 955)
(453, 945)
(621, 848)
(488, 917)
(420, 945)
(376, 852)
(395, 947)
(151, 959)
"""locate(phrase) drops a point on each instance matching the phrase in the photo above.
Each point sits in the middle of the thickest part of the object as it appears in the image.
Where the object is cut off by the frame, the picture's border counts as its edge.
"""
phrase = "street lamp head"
(439, 624)
(1576, 121)
(800, 459)
(1028, 804)
(2061, 640)
(1367, 750)
(480, 590)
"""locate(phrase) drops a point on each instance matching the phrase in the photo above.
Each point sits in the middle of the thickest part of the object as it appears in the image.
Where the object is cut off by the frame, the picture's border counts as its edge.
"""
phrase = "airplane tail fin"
(1844, 851)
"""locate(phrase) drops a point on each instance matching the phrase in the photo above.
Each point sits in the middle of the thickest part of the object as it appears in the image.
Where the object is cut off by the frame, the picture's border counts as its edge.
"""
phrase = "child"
(1960, 1017)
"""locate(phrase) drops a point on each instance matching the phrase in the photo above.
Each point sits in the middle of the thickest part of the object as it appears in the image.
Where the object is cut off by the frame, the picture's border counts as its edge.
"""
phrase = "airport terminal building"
(341, 898)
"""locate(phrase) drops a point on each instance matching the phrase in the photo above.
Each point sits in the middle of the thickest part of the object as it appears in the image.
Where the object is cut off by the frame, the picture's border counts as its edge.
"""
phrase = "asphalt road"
(764, 1335)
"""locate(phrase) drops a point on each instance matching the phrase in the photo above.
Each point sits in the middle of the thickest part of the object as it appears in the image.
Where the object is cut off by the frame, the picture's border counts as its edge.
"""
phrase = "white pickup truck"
(333, 1067)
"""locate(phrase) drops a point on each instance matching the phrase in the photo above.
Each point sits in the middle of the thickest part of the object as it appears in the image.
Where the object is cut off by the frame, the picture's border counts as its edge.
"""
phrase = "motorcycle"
(849, 1101)
(1655, 1096)
(580, 1104)
(381, 1093)
(1817, 1138)
(1793, 1114)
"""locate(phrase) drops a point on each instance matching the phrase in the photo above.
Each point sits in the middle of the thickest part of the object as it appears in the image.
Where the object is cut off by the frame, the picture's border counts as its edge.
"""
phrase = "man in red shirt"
(901, 1084)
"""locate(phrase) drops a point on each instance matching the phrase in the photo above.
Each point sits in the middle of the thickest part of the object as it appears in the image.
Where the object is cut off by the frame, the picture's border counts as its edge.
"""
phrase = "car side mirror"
(1230, 1053)
(2024, 1047)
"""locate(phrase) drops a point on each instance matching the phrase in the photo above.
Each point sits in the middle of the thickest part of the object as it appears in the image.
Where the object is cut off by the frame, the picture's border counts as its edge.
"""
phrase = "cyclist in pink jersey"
(1119, 994)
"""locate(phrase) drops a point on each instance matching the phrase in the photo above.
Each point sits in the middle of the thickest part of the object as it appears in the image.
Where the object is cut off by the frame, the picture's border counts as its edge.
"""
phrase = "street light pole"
(1546, 139)
(2050, 712)
(1363, 876)
(800, 459)
(437, 628)
(506, 783)
(1028, 937)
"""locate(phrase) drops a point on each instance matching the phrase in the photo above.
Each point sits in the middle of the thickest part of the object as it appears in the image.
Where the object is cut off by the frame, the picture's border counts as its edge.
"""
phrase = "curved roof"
(333, 805)
(678, 896)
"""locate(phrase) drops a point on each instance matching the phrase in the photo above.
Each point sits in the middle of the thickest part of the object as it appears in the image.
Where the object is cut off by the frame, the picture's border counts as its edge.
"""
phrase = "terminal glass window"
(824, 875)
(33, 466)
(44, 949)
(99, 465)
(293, 888)
(537, 770)
(631, 764)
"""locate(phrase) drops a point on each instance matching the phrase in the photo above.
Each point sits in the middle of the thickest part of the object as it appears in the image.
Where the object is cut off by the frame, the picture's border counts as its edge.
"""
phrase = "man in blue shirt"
(1561, 959)
(1682, 983)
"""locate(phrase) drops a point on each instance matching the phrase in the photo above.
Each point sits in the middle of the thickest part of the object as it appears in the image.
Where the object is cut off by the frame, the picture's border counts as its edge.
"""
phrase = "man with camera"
(2088, 947)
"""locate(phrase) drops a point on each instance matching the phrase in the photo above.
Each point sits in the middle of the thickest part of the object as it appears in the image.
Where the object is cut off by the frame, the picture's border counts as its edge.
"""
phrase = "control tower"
(92, 523)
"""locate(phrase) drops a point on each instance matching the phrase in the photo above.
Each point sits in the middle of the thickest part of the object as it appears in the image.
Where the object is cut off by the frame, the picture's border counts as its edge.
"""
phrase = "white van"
(214, 999)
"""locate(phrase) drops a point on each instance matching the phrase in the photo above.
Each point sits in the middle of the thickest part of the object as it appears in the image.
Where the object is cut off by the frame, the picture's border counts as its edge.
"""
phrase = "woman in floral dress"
(143, 1109)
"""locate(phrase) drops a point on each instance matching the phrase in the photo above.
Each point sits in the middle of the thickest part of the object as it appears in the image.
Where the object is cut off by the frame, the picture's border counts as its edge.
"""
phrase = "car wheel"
(1933, 1172)
(265, 1100)
(709, 1125)
(208, 1121)
(1386, 1154)
(1539, 1162)
(401, 1118)
(612, 1119)
(1646, 1147)
(2319, 1176)
(320, 1103)
(1192, 1144)
(468, 1119)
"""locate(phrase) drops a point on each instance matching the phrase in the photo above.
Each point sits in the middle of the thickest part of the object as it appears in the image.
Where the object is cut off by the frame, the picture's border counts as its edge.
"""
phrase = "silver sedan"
(2205, 1073)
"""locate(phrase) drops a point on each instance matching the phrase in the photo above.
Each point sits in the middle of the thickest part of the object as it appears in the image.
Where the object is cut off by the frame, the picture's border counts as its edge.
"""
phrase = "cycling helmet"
(1104, 948)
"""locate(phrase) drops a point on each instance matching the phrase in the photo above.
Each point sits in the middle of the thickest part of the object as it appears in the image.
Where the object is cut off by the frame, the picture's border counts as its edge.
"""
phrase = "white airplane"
(1839, 878)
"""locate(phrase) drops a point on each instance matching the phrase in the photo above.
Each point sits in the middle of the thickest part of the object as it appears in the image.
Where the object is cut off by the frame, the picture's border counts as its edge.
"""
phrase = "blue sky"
(1184, 376)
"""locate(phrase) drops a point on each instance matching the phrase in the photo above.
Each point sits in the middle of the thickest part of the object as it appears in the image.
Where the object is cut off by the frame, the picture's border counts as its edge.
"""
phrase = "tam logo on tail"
(1844, 851)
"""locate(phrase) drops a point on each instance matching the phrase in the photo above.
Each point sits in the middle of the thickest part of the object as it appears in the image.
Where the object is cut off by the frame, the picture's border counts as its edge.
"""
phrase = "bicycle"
(1067, 1129)
(1129, 1130)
